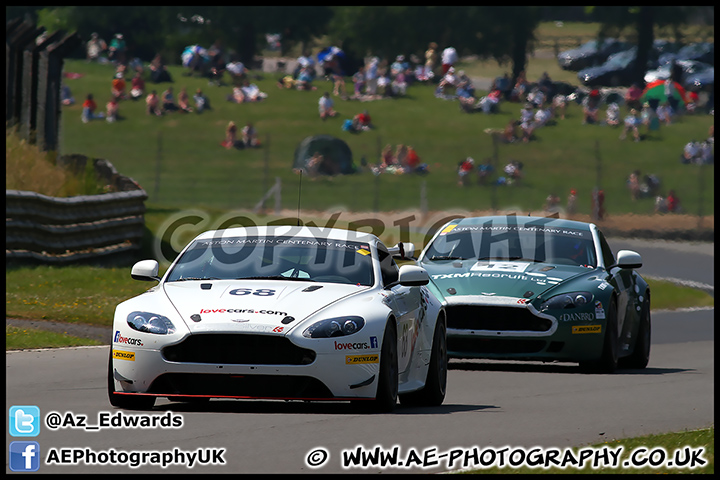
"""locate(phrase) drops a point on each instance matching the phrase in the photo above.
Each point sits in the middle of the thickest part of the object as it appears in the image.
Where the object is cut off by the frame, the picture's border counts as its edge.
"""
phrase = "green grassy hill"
(178, 158)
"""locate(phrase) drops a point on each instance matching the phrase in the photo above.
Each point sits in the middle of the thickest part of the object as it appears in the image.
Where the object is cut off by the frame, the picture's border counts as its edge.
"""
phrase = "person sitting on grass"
(152, 103)
(325, 106)
(88, 110)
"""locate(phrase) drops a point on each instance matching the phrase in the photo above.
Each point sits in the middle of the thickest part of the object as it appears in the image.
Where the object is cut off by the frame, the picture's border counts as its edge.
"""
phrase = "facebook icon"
(24, 456)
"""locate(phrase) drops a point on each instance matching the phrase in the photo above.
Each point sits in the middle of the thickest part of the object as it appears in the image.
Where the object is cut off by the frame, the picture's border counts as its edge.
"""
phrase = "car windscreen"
(280, 258)
(533, 243)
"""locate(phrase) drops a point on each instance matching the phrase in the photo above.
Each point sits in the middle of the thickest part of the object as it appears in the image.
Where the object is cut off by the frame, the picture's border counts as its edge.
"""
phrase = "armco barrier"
(65, 230)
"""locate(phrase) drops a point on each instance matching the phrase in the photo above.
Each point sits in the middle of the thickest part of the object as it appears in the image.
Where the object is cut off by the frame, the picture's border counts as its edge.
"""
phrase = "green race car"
(533, 288)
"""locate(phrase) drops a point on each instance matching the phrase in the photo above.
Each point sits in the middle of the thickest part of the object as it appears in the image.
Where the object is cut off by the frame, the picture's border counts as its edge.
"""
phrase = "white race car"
(281, 313)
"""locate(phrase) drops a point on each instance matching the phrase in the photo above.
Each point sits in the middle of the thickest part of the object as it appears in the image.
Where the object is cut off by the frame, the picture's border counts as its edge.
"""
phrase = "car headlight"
(150, 323)
(567, 300)
(334, 327)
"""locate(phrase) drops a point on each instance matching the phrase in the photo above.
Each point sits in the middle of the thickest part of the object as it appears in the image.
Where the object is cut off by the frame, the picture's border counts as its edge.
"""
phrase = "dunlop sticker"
(358, 359)
(586, 328)
(120, 355)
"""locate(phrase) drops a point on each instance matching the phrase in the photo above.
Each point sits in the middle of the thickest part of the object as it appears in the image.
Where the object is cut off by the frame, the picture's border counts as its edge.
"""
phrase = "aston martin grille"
(235, 348)
(478, 317)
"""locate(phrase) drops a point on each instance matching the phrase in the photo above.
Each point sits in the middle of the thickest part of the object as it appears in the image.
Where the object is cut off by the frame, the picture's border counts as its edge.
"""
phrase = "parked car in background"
(590, 54)
(701, 52)
(701, 81)
(688, 67)
(616, 71)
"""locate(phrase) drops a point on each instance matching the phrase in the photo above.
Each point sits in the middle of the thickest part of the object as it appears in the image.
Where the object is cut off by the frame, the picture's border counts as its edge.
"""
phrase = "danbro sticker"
(358, 359)
(120, 355)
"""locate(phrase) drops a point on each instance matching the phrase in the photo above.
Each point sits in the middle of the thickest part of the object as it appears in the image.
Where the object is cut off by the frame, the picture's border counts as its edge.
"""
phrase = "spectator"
(230, 135)
(572, 202)
(363, 121)
(152, 104)
(484, 172)
(66, 97)
(690, 152)
(371, 76)
(117, 51)
(559, 103)
(691, 101)
(488, 104)
(184, 101)
(305, 61)
(137, 86)
(510, 133)
(399, 84)
(387, 156)
(632, 97)
(201, 101)
(112, 110)
(591, 104)
(670, 91)
(552, 203)
(631, 125)
(359, 82)
(158, 71)
(536, 96)
(401, 152)
(305, 78)
(527, 117)
(514, 171)
(95, 47)
(447, 82)
(520, 88)
(431, 60)
(449, 57)
(88, 110)
(633, 184)
(673, 202)
(325, 106)
(464, 170)
(237, 72)
(664, 113)
(660, 204)
(249, 136)
(168, 100)
(118, 86)
(649, 118)
(412, 160)
(503, 84)
(612, 115)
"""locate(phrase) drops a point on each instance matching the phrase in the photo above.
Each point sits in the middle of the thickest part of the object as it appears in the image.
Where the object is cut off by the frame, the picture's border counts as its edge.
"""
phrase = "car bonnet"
(515, 279)
(259, 306)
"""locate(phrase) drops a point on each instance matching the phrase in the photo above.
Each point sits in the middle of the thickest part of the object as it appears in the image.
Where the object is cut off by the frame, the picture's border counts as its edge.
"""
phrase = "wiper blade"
(508, 259)
(446, 257)
(276, 277)
(183, 279)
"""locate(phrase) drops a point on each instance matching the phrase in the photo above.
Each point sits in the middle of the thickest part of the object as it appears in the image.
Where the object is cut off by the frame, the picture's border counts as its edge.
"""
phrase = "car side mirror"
(413, 276)
(628, 259)
(403, 251)
(145, 270)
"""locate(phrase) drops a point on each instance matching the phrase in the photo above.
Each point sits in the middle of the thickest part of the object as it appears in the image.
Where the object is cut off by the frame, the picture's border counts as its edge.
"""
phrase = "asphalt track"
(488, 405)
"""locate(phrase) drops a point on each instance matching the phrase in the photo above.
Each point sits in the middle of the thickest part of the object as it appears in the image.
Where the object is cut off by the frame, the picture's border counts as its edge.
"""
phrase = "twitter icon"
(24, 421)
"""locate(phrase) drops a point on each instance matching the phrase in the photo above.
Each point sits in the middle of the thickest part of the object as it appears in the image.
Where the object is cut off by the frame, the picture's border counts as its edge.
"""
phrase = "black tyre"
(641, 353)
(126, 401)
(387, 391)
(433, 393)
(608, 361)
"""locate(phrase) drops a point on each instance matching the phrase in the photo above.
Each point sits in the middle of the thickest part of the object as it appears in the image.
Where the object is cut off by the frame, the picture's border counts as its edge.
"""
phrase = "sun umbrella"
(656, 91)
(328, 53)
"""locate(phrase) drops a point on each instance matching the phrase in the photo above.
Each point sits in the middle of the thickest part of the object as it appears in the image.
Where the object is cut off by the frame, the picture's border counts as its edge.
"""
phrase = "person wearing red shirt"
(88, 110)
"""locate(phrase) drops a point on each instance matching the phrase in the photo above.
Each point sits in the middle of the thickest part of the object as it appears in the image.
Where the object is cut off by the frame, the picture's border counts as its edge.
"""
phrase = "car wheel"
(387, 391)
(608, 361)
(641, 354)
(433, 393)
(126, 401)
